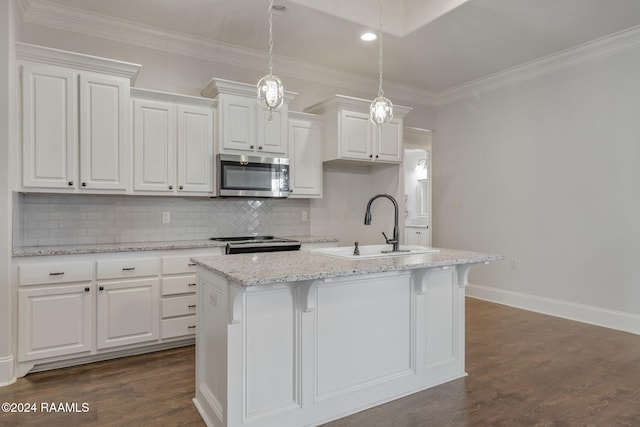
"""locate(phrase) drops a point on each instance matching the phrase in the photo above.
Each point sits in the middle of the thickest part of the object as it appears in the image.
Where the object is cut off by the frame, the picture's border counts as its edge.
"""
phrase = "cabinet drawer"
(179, 285)
(178, 326)
(122, 268)
(178, 264)
(178, 306)
(44, 273)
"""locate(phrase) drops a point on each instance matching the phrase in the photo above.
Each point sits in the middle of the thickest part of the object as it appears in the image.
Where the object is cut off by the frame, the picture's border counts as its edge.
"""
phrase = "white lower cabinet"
(127, 312)
(55, 320)
(418, 236)
(83, 308)
(178, 297)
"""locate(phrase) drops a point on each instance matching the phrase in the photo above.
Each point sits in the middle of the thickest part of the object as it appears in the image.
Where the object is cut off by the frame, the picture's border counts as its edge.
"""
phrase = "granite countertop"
(279, 267)
(138, 247)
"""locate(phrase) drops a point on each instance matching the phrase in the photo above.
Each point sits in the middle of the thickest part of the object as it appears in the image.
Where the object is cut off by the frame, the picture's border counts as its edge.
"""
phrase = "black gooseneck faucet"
(395, 241)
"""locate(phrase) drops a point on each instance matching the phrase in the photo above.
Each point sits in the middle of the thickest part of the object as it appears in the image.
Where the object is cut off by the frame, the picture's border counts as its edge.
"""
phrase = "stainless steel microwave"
(252, 176)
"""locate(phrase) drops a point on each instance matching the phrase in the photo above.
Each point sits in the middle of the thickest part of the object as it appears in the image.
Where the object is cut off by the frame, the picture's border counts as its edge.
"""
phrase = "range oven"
(252, 176)
(252, 244)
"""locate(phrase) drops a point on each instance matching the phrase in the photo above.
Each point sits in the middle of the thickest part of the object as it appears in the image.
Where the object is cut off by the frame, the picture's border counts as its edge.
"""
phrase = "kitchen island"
(299, 338)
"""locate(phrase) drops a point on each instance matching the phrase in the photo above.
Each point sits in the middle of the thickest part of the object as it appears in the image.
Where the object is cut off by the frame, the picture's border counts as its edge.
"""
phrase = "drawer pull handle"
(191, 306)
(191, 326)
(128, 268)
(56, 274)
(191, 284)
(192, 264)
(101, 288)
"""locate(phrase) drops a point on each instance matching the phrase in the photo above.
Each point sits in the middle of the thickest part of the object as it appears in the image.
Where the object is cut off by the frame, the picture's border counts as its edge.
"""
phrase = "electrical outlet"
(166, 217)
(304, 216)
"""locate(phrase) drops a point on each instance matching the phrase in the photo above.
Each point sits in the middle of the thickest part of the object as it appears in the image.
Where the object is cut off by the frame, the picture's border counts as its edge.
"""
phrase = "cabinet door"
(417, 236)
(127, 312)
(388, 139)
(305, 153)
(238, 124)
(104, 132)
(195, 149)
(356, 137)
(54, 321)
(272, 134)
(154, 137)
(49, 127)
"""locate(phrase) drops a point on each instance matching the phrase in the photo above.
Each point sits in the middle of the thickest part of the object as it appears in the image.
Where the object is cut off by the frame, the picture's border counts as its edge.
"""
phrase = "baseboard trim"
(7, 374)
(612, 319)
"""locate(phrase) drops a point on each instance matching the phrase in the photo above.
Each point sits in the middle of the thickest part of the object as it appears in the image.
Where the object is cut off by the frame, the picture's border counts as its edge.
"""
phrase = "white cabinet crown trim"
(353, 104)
(155, 95)
(78, 61)
(217, 86)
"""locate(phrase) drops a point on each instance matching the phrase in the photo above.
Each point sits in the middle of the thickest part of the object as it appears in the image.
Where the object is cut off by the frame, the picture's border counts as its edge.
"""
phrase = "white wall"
(6, 131)
(546, 172)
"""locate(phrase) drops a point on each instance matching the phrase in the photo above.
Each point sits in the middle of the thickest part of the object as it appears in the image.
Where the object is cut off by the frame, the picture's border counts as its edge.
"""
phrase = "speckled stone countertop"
(279, 267)
(138, 247)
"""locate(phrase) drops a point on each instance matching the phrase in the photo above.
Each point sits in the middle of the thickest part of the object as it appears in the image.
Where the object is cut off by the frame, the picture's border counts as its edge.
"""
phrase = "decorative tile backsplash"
(44, 220)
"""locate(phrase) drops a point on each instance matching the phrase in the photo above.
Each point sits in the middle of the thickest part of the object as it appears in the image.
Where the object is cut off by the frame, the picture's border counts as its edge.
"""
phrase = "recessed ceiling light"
(368, 36)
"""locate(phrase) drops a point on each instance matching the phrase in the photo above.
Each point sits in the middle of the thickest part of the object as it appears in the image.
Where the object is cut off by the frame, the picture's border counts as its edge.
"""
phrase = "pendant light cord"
(271, 37)
(380, 93)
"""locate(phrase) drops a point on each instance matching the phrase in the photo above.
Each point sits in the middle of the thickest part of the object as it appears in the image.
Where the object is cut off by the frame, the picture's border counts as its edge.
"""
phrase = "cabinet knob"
(84, 184)
(87, 289)
(259, 147)
(371, 156)
(70, 183)
(171, 187)
(181, 187)
(251, 146)
(101, 288)
(377, 156)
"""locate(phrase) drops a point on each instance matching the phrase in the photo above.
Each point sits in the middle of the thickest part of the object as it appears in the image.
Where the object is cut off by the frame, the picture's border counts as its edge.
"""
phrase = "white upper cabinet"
(104, 132)
(173, 143)
(75, 121)
(245, 126)
(305, 155)
(349, 135)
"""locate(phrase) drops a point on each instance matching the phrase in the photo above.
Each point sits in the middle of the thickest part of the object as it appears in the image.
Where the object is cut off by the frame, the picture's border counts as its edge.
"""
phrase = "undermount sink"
(374, 251)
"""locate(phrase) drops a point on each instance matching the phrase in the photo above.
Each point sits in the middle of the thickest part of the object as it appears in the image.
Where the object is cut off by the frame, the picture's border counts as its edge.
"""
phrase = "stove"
(252, 244)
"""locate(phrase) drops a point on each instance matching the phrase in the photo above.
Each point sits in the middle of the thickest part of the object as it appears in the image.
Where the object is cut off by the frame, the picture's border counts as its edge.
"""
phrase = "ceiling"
(430, 45)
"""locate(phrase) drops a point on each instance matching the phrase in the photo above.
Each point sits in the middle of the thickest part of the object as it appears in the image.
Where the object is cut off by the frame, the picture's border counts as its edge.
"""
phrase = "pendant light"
(381, 110)
(270, 88)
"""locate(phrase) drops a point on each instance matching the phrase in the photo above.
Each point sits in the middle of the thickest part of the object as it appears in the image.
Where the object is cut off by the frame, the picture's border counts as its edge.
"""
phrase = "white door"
(127, 312)
(54, 321)
(195, 149)
(356, 136)
(154, 136)
(272, 134)
(305, 154)
(388, 142)
(238, 124)
(49, 127)
(104, 132)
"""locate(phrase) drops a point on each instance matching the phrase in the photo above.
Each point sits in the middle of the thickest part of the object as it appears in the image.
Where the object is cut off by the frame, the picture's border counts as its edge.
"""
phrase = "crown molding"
(67, 19)
(351, 103)
(155, 95)
(45, 55)
(586, 52)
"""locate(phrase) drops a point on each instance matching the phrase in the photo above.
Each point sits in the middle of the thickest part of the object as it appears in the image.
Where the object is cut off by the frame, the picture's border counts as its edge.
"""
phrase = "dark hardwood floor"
(525, 369)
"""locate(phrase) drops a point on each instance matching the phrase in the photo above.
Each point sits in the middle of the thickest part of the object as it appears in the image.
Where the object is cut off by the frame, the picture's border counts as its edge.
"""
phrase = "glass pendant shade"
(271, 91)
(381, 111)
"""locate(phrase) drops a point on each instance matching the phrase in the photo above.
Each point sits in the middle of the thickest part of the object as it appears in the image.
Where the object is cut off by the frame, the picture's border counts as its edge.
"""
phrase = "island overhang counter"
(300, 339)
